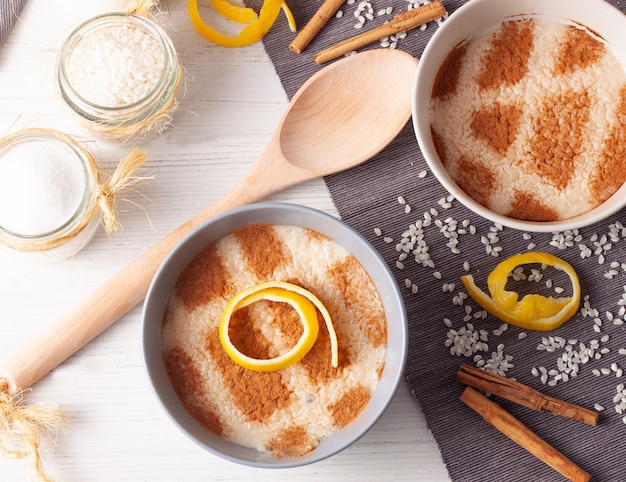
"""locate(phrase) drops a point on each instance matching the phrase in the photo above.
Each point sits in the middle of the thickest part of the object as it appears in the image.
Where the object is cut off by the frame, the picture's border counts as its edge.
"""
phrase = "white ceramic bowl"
(475, 16)
(285, 214)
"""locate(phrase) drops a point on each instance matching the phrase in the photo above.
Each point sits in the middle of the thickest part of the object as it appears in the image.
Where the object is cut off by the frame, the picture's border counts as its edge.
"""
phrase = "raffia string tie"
(22, 426)
(123, 177)
(143, 8)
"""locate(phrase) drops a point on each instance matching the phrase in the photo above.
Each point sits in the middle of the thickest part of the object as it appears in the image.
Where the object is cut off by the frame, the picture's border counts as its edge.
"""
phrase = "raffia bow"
(122, 178)
(22, 426)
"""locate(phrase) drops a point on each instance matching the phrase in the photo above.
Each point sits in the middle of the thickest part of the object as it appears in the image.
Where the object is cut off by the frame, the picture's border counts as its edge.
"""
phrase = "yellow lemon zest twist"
(256, 28)
(290, 20)
(305, 304)
(533, 311)
(234, 12)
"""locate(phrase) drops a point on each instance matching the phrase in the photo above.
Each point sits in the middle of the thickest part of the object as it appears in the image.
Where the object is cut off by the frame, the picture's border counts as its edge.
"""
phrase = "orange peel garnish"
(256, 28)
(305, 304)
(234, 12)
(533, 311)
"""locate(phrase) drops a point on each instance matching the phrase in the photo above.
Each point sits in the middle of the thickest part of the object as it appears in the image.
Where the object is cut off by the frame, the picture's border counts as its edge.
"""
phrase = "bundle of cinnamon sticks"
(478, 379)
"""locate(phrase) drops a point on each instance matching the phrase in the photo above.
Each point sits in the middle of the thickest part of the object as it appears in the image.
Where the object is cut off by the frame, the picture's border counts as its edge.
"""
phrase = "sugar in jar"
(119, 73)
(47, 197)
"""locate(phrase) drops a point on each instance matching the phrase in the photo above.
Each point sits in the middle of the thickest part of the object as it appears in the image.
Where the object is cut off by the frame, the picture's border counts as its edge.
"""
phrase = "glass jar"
(47, 195)
(119, 73)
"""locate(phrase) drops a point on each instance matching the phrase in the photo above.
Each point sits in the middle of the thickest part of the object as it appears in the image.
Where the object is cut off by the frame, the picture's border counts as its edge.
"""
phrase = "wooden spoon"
(342, 116)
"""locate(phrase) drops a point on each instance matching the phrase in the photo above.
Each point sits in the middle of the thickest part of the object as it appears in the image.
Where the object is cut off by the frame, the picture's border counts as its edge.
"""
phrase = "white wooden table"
(231, 102)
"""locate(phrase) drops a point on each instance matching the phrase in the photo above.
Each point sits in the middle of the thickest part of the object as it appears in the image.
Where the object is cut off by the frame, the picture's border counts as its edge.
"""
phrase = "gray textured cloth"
(367, 197)
(9, 13)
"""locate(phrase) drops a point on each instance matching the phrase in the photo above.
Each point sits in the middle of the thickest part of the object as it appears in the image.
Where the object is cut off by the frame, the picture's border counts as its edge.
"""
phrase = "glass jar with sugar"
(53, 194)
(119, 73)
(47, 194)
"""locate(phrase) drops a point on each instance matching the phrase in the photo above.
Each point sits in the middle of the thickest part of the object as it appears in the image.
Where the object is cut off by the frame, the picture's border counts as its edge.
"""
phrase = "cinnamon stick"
(523, 395)
(310, 30)
(402, 22)
(510, 426)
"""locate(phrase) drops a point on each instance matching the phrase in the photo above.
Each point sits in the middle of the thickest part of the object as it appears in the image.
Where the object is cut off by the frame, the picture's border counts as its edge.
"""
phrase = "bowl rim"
(395, 360)
(424, 74)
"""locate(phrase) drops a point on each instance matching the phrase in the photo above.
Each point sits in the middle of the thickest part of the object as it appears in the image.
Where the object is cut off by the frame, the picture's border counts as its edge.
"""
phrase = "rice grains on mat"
(471, 334)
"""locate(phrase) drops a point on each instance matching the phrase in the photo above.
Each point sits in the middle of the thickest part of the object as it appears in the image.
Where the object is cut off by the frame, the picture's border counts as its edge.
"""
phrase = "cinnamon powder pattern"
(286, 412)
(528, 119)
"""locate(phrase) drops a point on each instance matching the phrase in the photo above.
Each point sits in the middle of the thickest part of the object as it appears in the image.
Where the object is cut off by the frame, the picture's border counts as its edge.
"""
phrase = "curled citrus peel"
(305, 304)
(533, 311)
(290, 19)
(256, 28)
(234, 12)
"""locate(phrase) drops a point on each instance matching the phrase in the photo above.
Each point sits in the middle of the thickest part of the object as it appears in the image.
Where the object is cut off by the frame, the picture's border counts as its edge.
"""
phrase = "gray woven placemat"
(9, 13)
(367, 198)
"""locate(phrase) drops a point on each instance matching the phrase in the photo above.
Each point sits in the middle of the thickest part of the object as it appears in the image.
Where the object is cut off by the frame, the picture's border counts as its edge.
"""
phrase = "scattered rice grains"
(472, 334)
(364, 12)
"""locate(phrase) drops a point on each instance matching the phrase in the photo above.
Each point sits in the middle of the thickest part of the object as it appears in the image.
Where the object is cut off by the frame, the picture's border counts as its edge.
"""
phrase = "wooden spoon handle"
(127, 288)
(90, 317)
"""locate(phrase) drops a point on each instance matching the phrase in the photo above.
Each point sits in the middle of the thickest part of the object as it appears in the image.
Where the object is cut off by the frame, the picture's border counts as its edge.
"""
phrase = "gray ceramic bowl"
(285, 214)
(477, 15)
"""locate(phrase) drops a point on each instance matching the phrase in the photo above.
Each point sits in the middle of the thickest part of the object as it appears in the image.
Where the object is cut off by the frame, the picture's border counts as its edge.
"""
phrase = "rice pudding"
(286, 412)
(529, 119)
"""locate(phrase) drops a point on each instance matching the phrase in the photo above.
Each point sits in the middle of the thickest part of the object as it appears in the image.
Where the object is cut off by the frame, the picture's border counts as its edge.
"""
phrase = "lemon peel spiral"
(303, 301)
